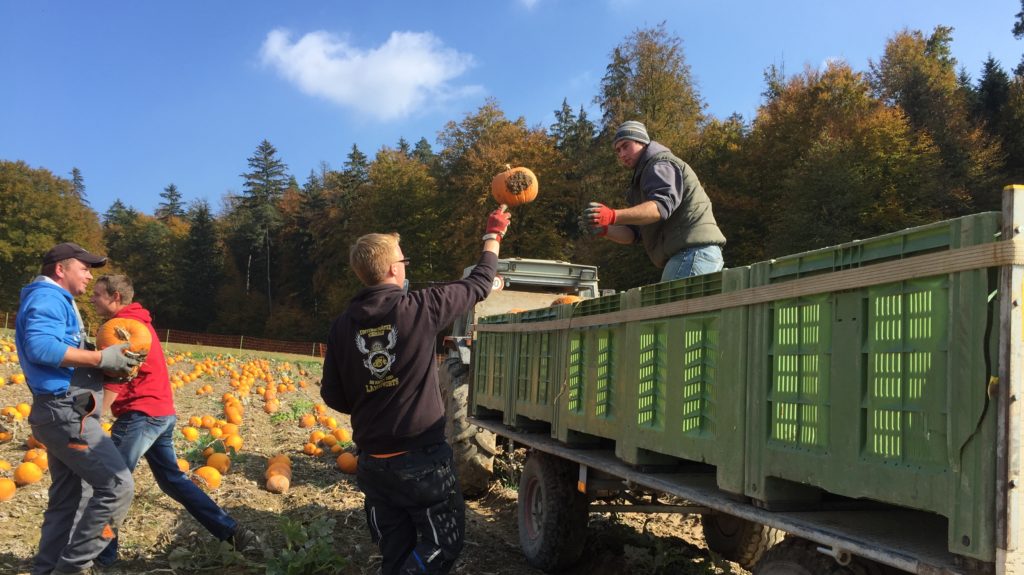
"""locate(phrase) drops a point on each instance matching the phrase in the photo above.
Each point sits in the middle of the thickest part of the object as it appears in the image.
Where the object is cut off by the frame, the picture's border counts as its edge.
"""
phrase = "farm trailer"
(863, 399)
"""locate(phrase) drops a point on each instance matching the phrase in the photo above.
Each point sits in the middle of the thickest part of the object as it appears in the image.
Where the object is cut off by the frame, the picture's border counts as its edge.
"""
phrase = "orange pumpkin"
(278, 484)
(566, 299)
(120, 330)
(27, 473)
(206, 477)
(219, 461)
(514, 186)
(7, 489)
(348, 463)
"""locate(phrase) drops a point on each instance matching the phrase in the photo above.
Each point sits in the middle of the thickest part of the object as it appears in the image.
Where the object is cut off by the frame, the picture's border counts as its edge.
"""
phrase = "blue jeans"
(136, 435)
(695, 261)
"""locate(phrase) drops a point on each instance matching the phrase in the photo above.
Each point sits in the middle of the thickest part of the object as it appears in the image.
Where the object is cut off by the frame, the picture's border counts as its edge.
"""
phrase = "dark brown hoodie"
(381, 366)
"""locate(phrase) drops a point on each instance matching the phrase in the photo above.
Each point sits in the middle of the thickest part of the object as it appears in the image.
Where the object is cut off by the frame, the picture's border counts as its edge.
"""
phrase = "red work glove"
(498, 221)
(598, 215)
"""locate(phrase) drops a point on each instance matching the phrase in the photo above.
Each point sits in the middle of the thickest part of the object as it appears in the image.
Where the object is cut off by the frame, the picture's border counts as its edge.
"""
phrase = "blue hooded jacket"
(45, 327)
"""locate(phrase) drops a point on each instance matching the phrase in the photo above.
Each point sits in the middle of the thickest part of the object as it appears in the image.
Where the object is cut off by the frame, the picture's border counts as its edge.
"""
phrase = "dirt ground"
(160, 537)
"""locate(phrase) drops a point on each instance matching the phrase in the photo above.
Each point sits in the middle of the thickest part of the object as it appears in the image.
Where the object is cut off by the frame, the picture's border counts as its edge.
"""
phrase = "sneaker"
(244, 539)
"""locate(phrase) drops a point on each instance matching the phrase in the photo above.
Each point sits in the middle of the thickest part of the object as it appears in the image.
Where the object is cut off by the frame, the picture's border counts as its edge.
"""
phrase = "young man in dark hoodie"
(144, 408)
(381, 368)
(669, 211)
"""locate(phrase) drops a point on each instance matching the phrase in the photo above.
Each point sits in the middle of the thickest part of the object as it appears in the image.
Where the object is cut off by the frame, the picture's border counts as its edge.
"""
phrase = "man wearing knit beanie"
(668, 212)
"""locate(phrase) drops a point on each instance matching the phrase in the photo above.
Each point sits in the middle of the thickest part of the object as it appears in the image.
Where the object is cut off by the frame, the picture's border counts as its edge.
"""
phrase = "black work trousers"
(414, 509)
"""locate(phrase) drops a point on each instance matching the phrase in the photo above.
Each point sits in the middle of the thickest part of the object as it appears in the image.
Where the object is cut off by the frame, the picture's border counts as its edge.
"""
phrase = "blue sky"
(138, 95)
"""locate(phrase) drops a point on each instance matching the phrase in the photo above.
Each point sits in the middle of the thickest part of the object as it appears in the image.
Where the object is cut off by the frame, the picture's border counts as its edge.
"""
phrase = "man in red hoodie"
(144, 408)
(380, 367)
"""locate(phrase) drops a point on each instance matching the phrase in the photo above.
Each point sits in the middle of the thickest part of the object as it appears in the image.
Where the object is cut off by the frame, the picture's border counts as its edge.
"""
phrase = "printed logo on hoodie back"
(377, 344)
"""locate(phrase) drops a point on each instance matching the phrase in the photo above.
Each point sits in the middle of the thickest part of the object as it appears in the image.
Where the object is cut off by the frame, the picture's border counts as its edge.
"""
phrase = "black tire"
(738, 540)
(796, 556)
(473, 447)
(552, 514)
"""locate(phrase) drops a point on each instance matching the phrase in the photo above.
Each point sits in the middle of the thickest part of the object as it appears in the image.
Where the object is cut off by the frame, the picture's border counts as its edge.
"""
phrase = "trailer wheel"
(552, 514)
(796, 556)
(473, 447)
(738, 540)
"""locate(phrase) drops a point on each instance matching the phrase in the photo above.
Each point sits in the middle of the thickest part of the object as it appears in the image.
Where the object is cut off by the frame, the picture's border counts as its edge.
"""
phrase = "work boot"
(244, 538)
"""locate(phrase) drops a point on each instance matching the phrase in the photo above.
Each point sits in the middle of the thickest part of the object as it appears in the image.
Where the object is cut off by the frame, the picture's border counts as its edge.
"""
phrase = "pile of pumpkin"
(224, 437)
(335, 440)
(31, 469)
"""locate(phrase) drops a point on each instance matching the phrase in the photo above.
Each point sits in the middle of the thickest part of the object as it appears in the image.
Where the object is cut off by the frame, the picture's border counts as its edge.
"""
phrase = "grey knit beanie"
(632, 130)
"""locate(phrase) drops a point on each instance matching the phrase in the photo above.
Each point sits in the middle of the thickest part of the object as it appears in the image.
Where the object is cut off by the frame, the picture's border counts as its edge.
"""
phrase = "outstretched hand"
(498, 222)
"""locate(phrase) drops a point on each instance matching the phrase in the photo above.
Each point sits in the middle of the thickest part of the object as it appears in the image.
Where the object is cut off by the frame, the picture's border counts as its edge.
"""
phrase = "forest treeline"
(831, 155)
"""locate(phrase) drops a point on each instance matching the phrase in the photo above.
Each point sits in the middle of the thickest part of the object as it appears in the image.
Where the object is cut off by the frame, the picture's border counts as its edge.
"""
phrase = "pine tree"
(992, 93)
(171, 206)
(202, 264)
(78, 185)
(423, 153)
(255, 218)
(403, 147)
(357, 170)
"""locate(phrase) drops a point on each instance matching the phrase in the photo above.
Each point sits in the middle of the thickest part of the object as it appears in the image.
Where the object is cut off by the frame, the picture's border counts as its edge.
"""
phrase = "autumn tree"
(649, 80)
(473, 152)
(37, 211)
(832, 163)
(917, 73)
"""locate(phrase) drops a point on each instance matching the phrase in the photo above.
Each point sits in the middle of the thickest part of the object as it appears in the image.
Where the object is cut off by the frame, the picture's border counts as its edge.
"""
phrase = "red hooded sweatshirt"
(150, 392)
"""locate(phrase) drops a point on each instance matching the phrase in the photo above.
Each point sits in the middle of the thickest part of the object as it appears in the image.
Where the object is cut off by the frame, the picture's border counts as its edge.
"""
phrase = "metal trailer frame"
(913, 541)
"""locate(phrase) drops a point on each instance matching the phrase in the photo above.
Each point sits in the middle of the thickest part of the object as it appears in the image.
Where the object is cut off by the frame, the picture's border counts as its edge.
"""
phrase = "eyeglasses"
(405, 261)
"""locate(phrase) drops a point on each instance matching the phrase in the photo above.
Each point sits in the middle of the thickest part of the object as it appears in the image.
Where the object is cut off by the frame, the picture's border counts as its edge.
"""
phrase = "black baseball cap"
(68, 250)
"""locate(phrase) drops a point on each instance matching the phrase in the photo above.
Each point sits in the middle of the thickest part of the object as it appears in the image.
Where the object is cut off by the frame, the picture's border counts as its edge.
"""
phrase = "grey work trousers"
(80, 455)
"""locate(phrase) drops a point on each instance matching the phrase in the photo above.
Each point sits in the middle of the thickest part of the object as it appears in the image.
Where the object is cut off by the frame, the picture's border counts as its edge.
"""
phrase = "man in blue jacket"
(66, 380)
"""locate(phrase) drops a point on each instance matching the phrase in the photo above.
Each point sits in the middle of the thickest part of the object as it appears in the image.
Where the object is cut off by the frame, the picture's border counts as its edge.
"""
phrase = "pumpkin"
(219, 461)
(566, 299)
(280, 458)
(342, 434)
(207, 477)
(125, 330)
(27, 473)
(234, 442)
(190, 433)
(278, 484)
(514, 186)
(278, 469)
(348, 463)
(307, 420)
(183, 465)
(7, 489)
(34, 443)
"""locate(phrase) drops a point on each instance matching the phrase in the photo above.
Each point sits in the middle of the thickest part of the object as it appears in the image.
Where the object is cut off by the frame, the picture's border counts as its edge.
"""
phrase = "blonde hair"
(372, 255)
(119, 283)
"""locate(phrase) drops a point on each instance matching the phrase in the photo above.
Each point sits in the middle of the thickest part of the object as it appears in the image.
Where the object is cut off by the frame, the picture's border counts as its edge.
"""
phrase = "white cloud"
(411, 71)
